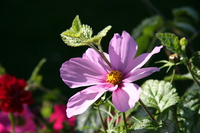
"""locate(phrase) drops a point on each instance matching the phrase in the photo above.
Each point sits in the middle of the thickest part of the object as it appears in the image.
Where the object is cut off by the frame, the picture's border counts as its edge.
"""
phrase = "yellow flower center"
(114, 77)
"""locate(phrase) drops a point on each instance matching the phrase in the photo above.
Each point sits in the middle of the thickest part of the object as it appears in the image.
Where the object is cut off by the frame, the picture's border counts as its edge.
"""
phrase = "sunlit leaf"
(77, 34)
(81, 34)
(144, 124)
(97, 39)
(171, 42)
(75, 30)
(158, 94)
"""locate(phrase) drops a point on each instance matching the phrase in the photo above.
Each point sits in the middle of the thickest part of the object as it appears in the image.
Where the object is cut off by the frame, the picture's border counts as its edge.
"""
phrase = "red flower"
(13, 95)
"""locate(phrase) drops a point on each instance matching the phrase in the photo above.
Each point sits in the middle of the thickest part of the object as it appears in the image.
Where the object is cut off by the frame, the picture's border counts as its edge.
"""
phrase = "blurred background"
(30, 30)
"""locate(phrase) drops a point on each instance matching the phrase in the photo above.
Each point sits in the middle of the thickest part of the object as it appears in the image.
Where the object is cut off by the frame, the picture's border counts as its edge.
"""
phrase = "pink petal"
(58, 116)
(140, 73)
(126, 96)
(122, 50)
(93, 56)
(79, 72)
(79, 102)
(139, 61)
(3, 129)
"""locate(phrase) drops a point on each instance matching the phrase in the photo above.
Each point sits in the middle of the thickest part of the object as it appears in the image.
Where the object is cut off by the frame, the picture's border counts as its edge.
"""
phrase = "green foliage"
(171, 42)
(46, 109)
(166, 64)
(79, 35)
(179, 77)
(167, 127)
(158, 94)
(195, 65)
(182, 11)
(144, 32)
(148, 26)
(184, 18)
(89, 121)
(2, 70)
(36, 78)
(148, 126)
(188, 111)
(185, 26)
(144, 124)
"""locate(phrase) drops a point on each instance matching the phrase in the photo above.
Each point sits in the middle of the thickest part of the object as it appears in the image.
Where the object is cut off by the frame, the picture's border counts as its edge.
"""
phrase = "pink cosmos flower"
(91, 70)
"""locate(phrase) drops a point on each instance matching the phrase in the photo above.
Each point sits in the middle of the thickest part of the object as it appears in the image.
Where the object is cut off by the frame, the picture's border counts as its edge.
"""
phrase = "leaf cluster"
(80, 34)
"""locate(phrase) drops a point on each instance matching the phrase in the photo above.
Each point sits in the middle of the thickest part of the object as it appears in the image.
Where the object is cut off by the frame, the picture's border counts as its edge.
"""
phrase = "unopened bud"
(174, 58)
(183, 43)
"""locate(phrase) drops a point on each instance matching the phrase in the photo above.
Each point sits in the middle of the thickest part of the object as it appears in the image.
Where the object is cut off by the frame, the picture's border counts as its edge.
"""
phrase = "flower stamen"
(114, 77)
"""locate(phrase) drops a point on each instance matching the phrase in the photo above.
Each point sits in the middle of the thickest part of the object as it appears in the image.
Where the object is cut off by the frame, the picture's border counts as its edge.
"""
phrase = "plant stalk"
(125, 124)
(12, 121)
(173, 74)
(101, 119)
(147, 111)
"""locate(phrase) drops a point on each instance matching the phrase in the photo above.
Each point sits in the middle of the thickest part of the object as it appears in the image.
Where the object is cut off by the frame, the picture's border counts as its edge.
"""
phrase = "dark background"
(30, 30)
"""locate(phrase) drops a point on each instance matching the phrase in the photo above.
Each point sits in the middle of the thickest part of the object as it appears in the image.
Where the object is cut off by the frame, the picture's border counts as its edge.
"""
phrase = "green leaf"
(2, 70)
(185, 26)
(143, 43)
(80, 34)
(195, 65)
(171, 42)
(195, 59)
(189, 112)
(158, 94)
(145, 124)
(76, 29)
(77, 34)
(46, 109)
(148, 26)
(36, 78)
(187, 76)
(89, 121)
(168, 127)
(144, 32)
(183, 11)
(97, 39)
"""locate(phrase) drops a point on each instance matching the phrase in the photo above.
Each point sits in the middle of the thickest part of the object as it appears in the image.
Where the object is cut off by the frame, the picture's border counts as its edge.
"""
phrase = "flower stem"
(99, 50)
(147, 111)
(173, 74)
(103, 56)
(12, 121)
(101, 119)
(125, 124)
